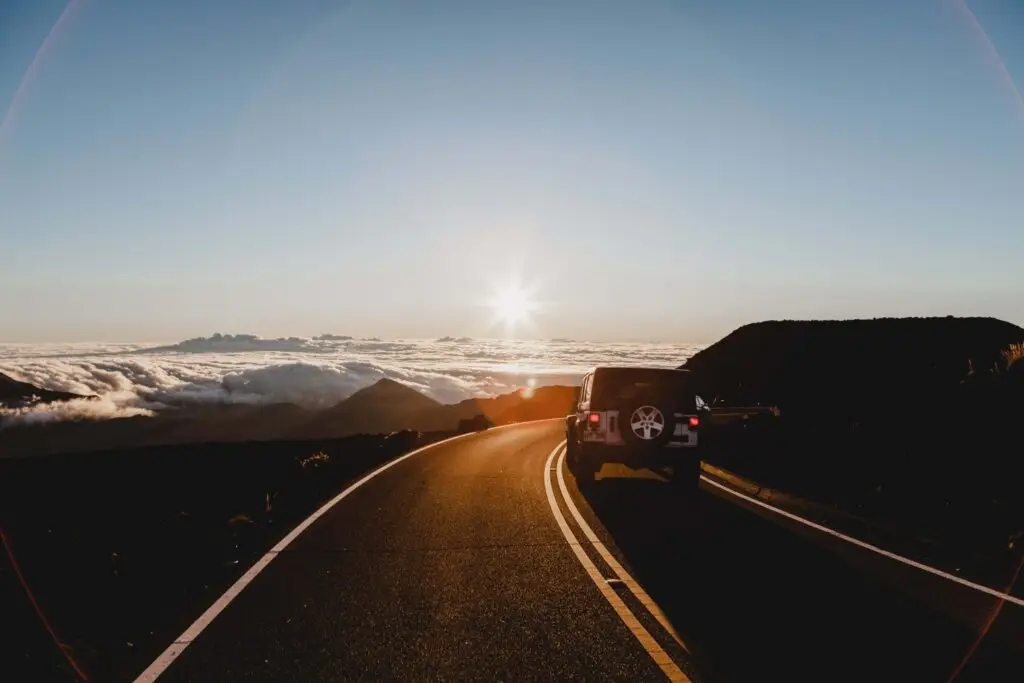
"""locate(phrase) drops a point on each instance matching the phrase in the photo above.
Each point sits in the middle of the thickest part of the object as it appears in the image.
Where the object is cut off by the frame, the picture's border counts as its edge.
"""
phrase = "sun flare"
(512, 305)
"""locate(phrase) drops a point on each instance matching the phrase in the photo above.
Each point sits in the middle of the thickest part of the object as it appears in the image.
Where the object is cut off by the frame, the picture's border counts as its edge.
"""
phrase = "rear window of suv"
(612, 386)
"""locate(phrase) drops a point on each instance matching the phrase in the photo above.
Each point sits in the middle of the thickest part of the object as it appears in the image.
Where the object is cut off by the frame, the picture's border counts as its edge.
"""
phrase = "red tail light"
(694, 422)
(594, 418)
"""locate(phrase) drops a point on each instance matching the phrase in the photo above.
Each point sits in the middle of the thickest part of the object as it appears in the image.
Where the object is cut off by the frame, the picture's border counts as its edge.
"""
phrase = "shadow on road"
(754, 601)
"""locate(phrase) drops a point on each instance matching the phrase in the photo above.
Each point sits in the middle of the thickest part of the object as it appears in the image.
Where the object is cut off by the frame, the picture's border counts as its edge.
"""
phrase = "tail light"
(594, 419)
(694, 422)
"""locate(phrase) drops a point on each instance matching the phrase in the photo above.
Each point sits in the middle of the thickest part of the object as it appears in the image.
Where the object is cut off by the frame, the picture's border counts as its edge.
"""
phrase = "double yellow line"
(643, 636)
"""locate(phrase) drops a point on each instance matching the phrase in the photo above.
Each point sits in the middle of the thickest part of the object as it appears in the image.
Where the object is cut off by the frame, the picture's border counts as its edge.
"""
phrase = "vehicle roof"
(645, 368)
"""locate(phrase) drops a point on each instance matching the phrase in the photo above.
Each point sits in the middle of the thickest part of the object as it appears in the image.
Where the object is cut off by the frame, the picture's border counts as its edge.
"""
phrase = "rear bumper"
(639, 458)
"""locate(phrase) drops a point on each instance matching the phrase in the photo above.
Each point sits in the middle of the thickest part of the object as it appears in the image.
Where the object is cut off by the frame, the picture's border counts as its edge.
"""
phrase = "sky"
(646, 170)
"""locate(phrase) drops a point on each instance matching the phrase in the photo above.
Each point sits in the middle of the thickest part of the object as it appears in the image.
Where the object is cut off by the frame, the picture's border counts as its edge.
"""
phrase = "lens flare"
(513, 305)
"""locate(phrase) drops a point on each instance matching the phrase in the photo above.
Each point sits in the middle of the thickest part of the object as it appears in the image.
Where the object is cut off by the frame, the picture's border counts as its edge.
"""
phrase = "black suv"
(640, 417)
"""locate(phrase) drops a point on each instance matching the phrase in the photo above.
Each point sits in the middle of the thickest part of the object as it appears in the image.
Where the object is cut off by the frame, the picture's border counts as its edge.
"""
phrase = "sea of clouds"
(134, 379)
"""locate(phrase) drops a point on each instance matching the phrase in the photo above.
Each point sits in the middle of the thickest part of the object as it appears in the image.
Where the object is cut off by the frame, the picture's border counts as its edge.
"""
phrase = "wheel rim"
(647, 423)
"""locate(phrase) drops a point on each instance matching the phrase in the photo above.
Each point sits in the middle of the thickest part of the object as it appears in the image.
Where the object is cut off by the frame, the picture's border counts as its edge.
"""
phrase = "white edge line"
(867, 546)
(650, 645)
(167, 657)
(619, 570)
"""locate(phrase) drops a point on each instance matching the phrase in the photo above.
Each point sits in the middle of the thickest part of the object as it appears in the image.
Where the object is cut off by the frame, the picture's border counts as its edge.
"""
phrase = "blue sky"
(651, 170)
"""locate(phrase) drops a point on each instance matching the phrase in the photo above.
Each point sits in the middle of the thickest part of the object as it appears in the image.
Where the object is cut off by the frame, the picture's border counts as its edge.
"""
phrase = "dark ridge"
(850, 362)
(382, 407)
(912, 425)
(387, 393)
(15, 394)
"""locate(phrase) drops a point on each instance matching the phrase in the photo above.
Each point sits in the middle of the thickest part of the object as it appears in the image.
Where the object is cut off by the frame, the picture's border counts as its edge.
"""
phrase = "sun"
(512, 304)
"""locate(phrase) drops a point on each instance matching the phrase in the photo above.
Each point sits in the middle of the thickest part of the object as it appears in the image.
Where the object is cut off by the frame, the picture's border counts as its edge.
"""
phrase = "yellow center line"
(619, 570)
(643, 636)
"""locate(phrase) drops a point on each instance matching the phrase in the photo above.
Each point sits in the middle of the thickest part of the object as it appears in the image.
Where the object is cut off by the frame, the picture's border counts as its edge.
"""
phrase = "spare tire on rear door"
(646, 425)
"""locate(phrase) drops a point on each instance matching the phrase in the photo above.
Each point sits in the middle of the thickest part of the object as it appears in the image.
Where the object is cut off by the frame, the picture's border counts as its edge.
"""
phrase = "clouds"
(318, 372)
(103, 408)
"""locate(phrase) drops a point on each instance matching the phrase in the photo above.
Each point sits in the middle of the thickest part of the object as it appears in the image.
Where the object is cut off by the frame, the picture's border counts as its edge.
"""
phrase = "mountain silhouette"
(15, 394)
(382, 407)
(387, 394)
(854, 364)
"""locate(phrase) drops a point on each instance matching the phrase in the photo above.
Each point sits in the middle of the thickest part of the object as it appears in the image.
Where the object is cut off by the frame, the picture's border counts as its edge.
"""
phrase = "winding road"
(479, 559)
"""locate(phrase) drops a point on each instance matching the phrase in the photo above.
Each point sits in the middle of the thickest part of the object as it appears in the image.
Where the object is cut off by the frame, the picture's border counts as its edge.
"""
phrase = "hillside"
(518, 406)
(545, 402)
(389, 394)
(911, 424)
(390, 406)
(381, 408)
(15, 394)
(804, 364)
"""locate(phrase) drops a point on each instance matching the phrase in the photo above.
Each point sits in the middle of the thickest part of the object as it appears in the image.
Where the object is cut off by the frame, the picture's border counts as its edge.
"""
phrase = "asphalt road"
(452, 565)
